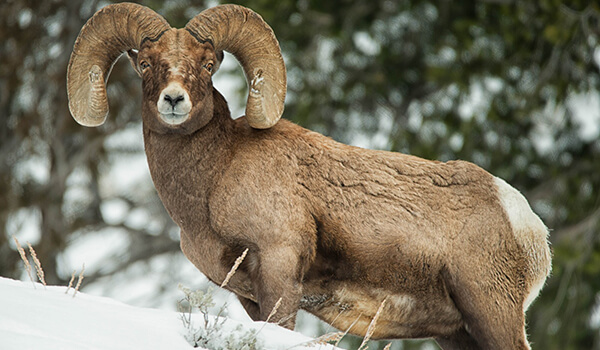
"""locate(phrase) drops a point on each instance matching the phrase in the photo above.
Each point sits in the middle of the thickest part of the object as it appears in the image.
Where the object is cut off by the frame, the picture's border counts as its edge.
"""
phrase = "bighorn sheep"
(457, 254)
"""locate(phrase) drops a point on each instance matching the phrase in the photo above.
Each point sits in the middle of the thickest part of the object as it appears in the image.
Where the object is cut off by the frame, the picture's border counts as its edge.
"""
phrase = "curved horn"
(244, 33)
(110, 32)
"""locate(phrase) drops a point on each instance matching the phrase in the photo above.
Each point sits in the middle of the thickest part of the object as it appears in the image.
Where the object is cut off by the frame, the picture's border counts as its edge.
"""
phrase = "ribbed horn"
(111, 31)
(243, 33)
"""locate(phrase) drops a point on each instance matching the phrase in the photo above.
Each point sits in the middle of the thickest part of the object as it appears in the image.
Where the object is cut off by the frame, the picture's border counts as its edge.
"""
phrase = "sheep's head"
(176, 65)
(176, 73)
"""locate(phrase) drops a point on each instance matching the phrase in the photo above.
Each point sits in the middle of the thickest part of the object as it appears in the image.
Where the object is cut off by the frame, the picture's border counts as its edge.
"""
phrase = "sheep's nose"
(174, 100)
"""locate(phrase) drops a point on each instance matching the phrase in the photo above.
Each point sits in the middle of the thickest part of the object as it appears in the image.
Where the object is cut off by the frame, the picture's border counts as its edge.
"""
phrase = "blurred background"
(511, 85)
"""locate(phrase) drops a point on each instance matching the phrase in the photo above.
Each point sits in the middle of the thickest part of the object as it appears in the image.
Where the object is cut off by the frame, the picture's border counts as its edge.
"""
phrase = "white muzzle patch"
(174, 104)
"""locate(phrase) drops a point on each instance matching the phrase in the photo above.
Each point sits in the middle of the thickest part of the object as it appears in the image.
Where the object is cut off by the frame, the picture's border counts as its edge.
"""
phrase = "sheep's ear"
(133, 59)
(220, 56)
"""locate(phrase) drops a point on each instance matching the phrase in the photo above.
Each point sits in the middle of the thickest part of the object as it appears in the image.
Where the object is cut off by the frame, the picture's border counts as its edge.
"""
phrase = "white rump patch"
(522, 218)
(530, 232)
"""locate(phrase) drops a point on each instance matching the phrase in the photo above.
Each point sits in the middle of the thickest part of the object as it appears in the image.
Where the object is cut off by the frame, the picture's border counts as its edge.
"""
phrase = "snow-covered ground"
(48, 318)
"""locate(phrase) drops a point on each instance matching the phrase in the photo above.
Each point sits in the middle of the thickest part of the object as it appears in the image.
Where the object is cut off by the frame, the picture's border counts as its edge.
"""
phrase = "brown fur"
(335, 229)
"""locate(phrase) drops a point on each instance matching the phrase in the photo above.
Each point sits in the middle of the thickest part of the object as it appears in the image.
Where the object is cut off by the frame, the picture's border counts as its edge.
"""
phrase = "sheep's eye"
(208, 67)
(144, 64)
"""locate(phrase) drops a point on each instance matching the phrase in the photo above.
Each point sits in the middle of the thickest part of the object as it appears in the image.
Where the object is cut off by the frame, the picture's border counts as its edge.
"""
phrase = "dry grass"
(334, 338)
(234, 268)
(275, 308)
(79, 280)
(372, 325)
(38, 264)
(348, 330)
(70, 282)
(25, 260)
(40, 271)
(328, 338)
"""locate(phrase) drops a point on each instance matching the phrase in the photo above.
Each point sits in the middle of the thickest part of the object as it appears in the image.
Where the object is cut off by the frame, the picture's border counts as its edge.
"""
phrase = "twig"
(25, 260)
(38, 265)
(234, 268)
(372, 325)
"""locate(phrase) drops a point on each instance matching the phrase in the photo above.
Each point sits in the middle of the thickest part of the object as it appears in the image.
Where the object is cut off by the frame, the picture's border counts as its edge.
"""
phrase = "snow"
(47, 318)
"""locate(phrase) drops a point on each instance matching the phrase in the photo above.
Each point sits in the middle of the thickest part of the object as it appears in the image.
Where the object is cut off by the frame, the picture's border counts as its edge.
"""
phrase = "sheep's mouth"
(173, 118)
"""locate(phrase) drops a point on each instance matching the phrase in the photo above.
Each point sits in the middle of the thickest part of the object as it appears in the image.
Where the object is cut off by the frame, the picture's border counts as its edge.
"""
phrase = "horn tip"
(83, 116)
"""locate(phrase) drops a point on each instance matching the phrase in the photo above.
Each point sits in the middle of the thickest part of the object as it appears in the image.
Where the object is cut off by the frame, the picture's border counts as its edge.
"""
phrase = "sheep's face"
(176, 71)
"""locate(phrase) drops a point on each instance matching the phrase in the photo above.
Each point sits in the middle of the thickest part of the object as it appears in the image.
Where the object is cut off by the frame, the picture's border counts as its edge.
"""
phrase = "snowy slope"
(50, 319)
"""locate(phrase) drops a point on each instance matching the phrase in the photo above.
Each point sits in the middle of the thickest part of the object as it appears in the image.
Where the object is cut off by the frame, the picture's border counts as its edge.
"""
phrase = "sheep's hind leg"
(493, 319)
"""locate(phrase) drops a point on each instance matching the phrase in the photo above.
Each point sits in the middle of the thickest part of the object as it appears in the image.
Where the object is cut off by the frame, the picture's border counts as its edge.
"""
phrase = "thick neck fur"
(170, 160)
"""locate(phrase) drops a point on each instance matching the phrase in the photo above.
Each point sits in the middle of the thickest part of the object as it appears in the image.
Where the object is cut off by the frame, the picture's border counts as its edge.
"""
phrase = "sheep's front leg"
(251, 308)
(279, 277)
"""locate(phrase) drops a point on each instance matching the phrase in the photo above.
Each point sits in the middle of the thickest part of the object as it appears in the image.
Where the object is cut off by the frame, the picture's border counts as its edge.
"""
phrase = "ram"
(456, 253)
